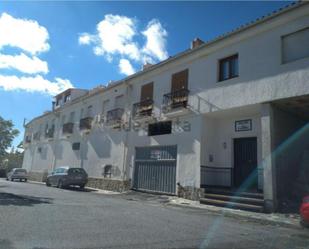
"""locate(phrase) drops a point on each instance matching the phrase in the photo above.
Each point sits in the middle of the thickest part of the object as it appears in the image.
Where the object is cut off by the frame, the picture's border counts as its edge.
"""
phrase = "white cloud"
(23, 63)
(32, 38)
(125, 67)
(118, 37)
(84, 39)
(25, 34)
(115, 34)
(34, 84)
(155, 40)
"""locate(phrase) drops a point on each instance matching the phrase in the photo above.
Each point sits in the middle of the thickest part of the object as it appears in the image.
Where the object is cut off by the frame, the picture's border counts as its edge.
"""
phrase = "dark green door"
(245, 162)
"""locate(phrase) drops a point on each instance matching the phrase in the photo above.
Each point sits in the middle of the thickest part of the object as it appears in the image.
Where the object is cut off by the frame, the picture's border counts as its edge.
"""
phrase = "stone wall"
(189, 192)
(109, 184)
(37, 176)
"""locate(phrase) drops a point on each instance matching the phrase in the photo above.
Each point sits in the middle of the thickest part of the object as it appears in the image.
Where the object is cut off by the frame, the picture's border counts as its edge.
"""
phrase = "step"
(234, 205)
(239, 199)
(234, 193)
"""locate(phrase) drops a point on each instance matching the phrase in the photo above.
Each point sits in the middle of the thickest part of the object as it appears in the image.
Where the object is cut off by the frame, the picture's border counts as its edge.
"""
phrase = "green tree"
(7, 135)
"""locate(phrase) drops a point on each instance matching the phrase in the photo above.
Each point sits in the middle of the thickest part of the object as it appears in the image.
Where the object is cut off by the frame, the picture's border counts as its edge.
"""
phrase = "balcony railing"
(143, 109)
(114, 117)
(67, 128)
(49, 133)
(175, 100)
(85, 123)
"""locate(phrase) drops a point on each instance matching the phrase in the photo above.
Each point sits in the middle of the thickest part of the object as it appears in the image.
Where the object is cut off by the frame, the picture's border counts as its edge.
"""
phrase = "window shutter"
(180, 80)
(147, 92)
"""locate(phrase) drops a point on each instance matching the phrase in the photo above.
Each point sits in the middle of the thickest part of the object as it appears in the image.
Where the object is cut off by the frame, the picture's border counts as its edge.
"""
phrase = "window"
(89, 111)
(119, 101)
(228, 68)
(147, 92)
(67, 98)
(295, 46)
(72, 117)
(160, 128)
(180, 81)
(105, 106)
(75, 146)
(58, 101)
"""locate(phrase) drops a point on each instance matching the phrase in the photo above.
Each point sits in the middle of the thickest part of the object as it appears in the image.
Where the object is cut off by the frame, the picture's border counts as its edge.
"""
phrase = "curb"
(98, 191)
(268, 219)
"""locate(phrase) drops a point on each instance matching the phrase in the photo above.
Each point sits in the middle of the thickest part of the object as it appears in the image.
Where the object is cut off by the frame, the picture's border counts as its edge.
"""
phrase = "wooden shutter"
(147, 92)
(180, 80)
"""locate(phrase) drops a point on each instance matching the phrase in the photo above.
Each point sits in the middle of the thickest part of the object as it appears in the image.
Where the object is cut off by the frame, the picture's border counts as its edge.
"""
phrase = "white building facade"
(232, 112)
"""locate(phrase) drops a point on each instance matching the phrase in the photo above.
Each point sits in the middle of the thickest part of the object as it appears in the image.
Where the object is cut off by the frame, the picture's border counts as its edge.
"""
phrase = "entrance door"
(245, 162)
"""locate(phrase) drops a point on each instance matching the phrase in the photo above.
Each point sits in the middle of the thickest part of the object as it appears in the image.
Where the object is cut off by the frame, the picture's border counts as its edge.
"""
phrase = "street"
(36, 216)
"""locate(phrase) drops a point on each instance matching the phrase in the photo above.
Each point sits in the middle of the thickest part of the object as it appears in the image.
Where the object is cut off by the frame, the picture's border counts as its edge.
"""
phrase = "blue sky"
(48, 46)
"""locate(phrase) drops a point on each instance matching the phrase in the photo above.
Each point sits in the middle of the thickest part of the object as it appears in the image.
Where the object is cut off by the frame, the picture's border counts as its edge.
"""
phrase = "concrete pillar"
(268, 160)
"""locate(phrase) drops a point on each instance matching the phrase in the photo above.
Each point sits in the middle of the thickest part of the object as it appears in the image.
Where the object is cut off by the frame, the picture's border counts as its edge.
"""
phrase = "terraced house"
(230, 114)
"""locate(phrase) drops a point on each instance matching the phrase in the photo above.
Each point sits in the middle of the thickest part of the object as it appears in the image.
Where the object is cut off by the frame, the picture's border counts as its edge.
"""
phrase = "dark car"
(65, 176)
(17, 174)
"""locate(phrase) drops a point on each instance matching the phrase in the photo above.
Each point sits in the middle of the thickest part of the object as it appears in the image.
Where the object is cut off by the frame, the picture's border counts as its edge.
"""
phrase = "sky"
(48, 46)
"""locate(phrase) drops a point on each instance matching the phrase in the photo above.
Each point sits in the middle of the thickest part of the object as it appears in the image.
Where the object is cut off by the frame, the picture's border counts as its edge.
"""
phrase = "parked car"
(65, 176)
(304, 212)
(17, 173)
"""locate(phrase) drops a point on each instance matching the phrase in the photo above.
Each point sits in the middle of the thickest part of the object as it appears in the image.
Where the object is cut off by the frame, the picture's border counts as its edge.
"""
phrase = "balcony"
(114, 117)
(85, 123)
(37, 136)
(67, 128)
(143, 109)
(175, 101)
(49, 133)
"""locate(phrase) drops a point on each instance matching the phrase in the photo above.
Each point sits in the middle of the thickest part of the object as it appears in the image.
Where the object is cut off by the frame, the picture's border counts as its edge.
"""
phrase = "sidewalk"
(285, 220)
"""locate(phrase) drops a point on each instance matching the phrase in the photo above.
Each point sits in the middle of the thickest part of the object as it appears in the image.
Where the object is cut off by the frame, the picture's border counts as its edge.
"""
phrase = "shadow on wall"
(7, 244)
(101, 143)
(58, 151)
(8, 199)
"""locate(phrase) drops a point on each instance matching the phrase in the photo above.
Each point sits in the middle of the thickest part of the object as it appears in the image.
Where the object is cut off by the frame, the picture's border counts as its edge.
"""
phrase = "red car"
(304, 212)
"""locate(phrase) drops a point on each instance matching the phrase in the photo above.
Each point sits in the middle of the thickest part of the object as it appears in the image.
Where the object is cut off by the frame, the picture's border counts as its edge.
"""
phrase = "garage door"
(155, 169)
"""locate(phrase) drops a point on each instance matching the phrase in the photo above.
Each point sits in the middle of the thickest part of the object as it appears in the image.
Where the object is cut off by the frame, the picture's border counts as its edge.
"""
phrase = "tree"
(7, 135)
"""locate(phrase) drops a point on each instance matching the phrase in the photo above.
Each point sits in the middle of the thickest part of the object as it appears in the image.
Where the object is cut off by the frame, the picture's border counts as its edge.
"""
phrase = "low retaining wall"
(190, 193)
(109, 184)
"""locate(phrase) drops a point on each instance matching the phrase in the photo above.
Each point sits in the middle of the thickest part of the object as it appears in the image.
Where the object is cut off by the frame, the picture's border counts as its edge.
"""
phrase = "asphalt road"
(36, 216)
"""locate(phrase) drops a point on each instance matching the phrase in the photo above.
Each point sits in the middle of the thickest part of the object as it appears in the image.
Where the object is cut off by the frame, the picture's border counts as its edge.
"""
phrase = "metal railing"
(114, 117)
(85, 123)
(176, 99)
(37, 136)
(216, 176)
(143, 108)
(67, 128)
(49, 133)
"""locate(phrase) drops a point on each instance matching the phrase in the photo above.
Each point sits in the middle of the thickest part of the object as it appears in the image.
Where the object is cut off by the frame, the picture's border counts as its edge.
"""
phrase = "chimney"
(196, 43)
(147, 65)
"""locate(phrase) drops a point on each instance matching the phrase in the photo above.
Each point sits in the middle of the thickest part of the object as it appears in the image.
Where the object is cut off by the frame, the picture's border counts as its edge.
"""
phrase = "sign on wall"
(243, 125)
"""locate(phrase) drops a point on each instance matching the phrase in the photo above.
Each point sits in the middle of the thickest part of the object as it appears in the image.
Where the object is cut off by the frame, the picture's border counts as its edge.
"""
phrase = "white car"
(17, 173)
